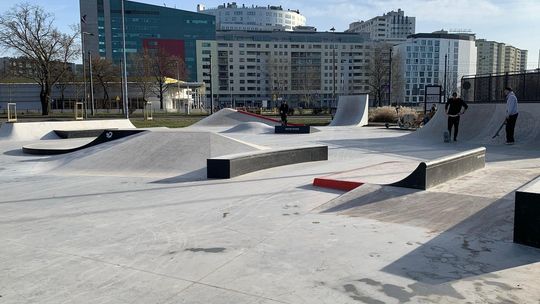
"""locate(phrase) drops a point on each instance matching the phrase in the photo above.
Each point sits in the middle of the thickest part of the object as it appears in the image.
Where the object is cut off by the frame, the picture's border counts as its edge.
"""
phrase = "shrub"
(388, 114)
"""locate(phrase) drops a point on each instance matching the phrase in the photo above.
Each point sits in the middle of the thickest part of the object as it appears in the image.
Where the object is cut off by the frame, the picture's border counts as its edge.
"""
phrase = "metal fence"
(489, 88)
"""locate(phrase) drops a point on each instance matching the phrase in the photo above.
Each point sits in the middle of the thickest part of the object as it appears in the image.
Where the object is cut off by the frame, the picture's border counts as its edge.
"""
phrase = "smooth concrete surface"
(233, 165)
(230, 118)
(28, 131)
(135, 221)
(351, 111)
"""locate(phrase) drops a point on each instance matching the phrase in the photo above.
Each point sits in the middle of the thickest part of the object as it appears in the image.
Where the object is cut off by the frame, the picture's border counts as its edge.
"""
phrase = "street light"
(333, 70)
(84, 74)
(125, 88)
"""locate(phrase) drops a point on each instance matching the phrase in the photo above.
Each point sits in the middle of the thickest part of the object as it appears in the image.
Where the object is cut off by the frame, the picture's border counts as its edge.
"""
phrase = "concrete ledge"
(292, 129)
(65, 134)
(44, 148)
(438, 171)
(527, 214)
(233, 165)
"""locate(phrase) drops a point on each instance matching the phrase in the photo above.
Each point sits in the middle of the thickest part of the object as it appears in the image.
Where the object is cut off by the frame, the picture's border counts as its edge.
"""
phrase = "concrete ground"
(76, 236)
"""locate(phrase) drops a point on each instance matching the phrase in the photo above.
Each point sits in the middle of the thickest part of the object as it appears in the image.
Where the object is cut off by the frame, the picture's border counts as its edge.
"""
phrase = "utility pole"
(390, 79)
(211, 89)
(333, 70)
(125, 93)
(445, 67)
(91, 83)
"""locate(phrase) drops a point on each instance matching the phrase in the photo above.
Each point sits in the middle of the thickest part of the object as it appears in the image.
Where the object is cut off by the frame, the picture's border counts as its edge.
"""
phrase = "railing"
(489, 88)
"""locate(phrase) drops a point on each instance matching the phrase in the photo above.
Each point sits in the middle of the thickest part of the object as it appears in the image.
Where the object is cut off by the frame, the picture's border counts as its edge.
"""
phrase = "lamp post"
(211, 89)
(333, 70)
(84, 73)
(125, 88)
(91, 83)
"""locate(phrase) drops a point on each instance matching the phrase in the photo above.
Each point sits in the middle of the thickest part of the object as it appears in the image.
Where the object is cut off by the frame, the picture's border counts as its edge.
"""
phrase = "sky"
(513, 22)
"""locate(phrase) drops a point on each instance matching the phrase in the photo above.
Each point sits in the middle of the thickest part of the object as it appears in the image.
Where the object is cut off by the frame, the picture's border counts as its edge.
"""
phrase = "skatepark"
(228, 211)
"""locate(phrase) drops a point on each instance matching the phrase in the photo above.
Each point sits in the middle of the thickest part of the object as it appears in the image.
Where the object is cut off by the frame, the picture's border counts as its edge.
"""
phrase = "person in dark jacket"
(283, 112)
(454, 108)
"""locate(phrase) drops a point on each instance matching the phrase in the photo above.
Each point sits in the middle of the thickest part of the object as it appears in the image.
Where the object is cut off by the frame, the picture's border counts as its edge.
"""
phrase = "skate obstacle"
(229, 166)
(527, 214)
(431, 173)
(293, 129)
(45, 148)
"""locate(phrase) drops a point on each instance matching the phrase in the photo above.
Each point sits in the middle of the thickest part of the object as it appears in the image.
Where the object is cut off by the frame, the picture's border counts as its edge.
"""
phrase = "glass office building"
(173, 30)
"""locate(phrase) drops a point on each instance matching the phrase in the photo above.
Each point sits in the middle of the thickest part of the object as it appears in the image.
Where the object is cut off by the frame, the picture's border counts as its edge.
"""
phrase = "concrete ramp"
(407, 174)
(231, 117)
(62, 146)
(28, 131)
(250, 128)
(152, 154)
(481, 121)
(432, 173)
(351, 111)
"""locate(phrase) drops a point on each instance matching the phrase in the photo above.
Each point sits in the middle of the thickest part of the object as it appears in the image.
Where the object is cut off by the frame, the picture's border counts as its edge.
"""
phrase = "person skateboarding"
(455, 107)
(283, 112)
(511, 114)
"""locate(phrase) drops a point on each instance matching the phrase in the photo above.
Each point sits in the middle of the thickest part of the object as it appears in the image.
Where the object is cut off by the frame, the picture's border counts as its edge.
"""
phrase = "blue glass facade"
(143, 22)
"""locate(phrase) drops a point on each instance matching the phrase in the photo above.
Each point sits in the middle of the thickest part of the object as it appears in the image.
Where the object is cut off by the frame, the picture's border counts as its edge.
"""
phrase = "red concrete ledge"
(266, 118)
(336, 184)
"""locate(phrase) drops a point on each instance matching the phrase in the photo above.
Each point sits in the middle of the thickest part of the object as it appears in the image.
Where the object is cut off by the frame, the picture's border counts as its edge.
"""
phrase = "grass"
(169, 120)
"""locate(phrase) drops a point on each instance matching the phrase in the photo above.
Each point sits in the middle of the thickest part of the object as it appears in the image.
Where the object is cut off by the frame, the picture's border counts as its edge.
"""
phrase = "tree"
(68, 78)
(106, 74)
(141, 73)
(378, 70)
(29, 31)
(163, 66)
(398, 79)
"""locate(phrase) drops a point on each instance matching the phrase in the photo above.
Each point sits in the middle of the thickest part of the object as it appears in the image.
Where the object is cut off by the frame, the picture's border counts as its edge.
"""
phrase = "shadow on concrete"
(193, 176)
(480, 244)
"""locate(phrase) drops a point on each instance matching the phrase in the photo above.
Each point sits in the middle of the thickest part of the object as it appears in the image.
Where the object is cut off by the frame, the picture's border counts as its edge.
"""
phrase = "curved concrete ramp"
(250, 128)
(27, 131)
(481, 121)
(62, 146)
(351, 111)
(438, 171)
(152, 154)
(231, 117)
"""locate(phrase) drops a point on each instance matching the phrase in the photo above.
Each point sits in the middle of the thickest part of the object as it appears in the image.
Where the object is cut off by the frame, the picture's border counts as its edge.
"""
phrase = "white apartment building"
(495, 57)
(249, 68)
(423, 58)
(231, 16)
(391, 27)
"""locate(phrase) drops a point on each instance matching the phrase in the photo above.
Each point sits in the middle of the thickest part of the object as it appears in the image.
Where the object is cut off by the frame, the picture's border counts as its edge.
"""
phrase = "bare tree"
(141, 73)
(378, 70)
(398, 79)
(164, 66)
(28, 30)
(67, 79)
(106, 74)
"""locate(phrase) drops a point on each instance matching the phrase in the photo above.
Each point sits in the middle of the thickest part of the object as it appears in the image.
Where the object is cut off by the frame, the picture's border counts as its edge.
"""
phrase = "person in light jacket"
(511, 114)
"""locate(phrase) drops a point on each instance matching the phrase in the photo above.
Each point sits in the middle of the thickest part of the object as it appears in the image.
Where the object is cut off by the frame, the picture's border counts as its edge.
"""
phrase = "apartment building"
(254, 68)
(391, 27)
(496, 57)
(426, 57)
(231, 16)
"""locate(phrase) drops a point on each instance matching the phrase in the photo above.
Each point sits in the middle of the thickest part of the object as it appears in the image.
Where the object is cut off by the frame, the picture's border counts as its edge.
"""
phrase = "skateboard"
(446, 136)
(499, 130)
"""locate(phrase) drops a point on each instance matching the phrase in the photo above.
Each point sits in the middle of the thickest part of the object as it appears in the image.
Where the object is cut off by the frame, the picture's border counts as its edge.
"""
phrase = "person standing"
(511, 114)
(283, 112)
(455, 107)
